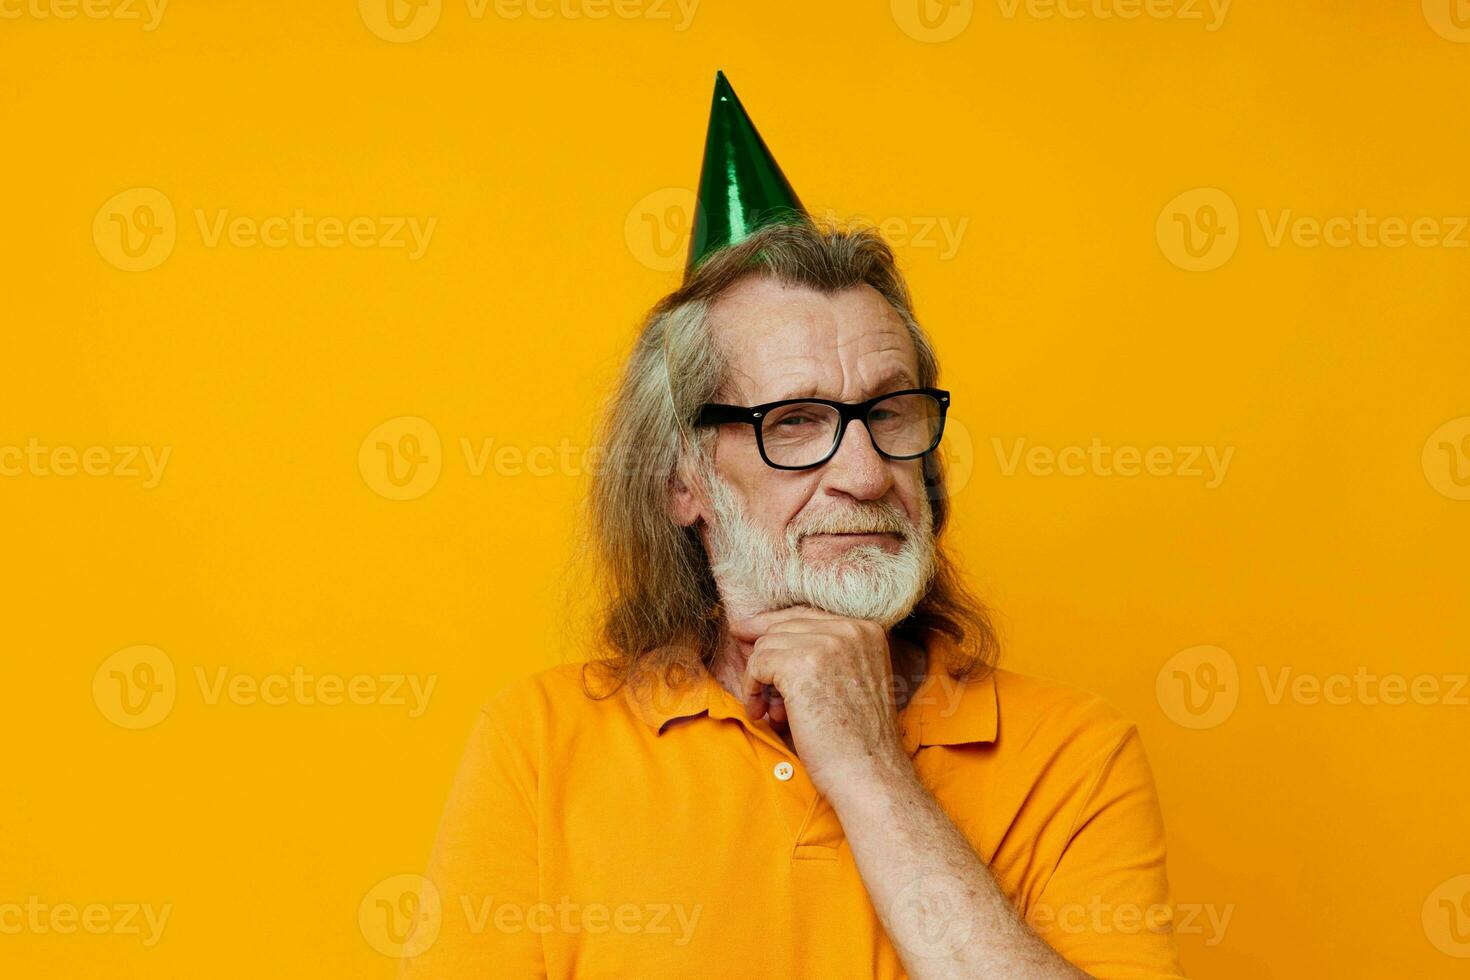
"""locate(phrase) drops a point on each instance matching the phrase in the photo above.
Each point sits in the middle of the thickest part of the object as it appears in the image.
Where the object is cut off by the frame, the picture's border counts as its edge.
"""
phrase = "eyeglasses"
(800, 433)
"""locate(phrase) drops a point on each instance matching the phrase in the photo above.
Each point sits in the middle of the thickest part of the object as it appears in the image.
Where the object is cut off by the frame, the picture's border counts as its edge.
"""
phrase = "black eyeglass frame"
(713, 413)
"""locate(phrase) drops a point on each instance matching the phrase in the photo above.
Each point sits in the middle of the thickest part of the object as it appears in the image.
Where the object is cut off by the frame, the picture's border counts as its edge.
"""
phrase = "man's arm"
(484, 864)
(937, 900)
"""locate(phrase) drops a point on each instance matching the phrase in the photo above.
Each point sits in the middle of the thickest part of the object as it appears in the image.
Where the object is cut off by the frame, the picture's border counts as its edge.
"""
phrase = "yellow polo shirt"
(665, 835)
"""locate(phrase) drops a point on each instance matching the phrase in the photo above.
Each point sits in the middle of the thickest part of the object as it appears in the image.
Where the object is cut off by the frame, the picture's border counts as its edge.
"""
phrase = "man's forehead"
(785, 341)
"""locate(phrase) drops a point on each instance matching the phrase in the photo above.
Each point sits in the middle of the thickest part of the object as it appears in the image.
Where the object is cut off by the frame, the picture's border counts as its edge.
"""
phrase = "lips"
(855, 534)
(859, 539)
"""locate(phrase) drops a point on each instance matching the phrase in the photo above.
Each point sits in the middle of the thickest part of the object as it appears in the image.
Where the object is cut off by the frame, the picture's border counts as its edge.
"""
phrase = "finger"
(756, 684)
(763, 697)
(750, 628)
(801, 625)
(758, 705)
(776, 707)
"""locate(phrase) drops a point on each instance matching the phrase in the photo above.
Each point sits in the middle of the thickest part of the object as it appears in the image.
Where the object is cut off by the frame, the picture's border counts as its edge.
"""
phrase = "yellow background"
(546, 150)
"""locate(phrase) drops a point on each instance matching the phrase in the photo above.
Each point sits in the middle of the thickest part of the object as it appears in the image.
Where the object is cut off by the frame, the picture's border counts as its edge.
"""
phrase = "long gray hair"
(659, 609)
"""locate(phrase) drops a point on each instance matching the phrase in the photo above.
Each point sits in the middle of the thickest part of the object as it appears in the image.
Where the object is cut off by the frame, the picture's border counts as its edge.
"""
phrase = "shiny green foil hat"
(741, 188)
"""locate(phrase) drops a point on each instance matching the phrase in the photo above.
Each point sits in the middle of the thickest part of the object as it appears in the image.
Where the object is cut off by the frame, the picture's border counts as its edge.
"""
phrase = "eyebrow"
(895, 380)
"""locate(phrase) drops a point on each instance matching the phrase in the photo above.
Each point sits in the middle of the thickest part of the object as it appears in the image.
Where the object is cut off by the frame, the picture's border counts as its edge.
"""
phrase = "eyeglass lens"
(802, 433)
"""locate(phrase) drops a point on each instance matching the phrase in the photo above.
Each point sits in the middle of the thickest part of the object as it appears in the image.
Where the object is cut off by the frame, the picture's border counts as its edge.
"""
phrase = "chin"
(841, 599)
(852, 559)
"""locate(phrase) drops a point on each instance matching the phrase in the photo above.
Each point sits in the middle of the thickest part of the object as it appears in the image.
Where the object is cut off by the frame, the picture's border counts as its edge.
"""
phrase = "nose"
(857, 469)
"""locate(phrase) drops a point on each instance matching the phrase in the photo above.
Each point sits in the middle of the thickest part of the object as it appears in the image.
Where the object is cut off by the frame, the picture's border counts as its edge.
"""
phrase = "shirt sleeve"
(484, 866)
(1106, 906)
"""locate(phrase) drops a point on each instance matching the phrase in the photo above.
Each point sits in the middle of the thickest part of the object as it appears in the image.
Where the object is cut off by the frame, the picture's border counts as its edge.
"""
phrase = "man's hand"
(937, 900)
(830, 679)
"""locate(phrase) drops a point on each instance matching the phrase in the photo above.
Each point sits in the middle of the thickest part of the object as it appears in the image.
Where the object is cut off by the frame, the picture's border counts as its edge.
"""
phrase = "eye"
(796, 419)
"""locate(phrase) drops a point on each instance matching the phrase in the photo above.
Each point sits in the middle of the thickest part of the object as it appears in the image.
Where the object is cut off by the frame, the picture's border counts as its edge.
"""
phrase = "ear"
(686, 502)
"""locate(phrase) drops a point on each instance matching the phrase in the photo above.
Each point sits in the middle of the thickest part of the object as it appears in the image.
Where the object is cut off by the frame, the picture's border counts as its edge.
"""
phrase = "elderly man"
(794, 757)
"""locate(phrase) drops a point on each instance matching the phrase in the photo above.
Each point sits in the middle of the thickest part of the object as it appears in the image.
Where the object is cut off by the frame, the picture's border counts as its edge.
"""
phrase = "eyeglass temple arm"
(719, 414)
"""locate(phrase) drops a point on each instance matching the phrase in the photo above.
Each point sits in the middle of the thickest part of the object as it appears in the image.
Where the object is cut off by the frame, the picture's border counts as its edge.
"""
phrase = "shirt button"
(784, 771)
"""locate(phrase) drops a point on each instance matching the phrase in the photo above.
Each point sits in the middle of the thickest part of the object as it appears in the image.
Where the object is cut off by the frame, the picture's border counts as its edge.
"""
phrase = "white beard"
(756, 574)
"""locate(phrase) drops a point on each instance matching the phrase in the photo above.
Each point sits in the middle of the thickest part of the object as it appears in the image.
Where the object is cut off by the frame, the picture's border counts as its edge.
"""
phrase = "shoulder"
(535, 689)
(1073, 749)
(554, 699)
(1051, 716)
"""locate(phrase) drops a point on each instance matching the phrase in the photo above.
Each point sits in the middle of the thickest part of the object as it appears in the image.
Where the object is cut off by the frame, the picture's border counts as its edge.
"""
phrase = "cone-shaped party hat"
(740, 186)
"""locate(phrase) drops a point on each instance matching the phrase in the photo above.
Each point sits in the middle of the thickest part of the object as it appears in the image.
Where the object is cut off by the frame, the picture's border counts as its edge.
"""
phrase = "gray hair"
(658, 605)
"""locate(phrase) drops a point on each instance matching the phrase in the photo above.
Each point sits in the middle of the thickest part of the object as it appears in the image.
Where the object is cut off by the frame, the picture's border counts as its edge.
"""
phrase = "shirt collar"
(942, 711)
(947, 711)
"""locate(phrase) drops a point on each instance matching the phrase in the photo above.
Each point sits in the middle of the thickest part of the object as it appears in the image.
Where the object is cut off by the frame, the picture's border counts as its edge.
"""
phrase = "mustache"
(875, 519)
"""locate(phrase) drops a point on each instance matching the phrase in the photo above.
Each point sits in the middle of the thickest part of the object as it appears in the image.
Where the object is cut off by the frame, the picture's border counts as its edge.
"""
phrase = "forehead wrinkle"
(797, 379)
(798, 376)
(743, 381)
(878, 380)
(834, 371)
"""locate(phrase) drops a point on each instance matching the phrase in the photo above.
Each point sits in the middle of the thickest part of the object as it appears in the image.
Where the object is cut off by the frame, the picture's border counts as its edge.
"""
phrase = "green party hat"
(741, 188)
